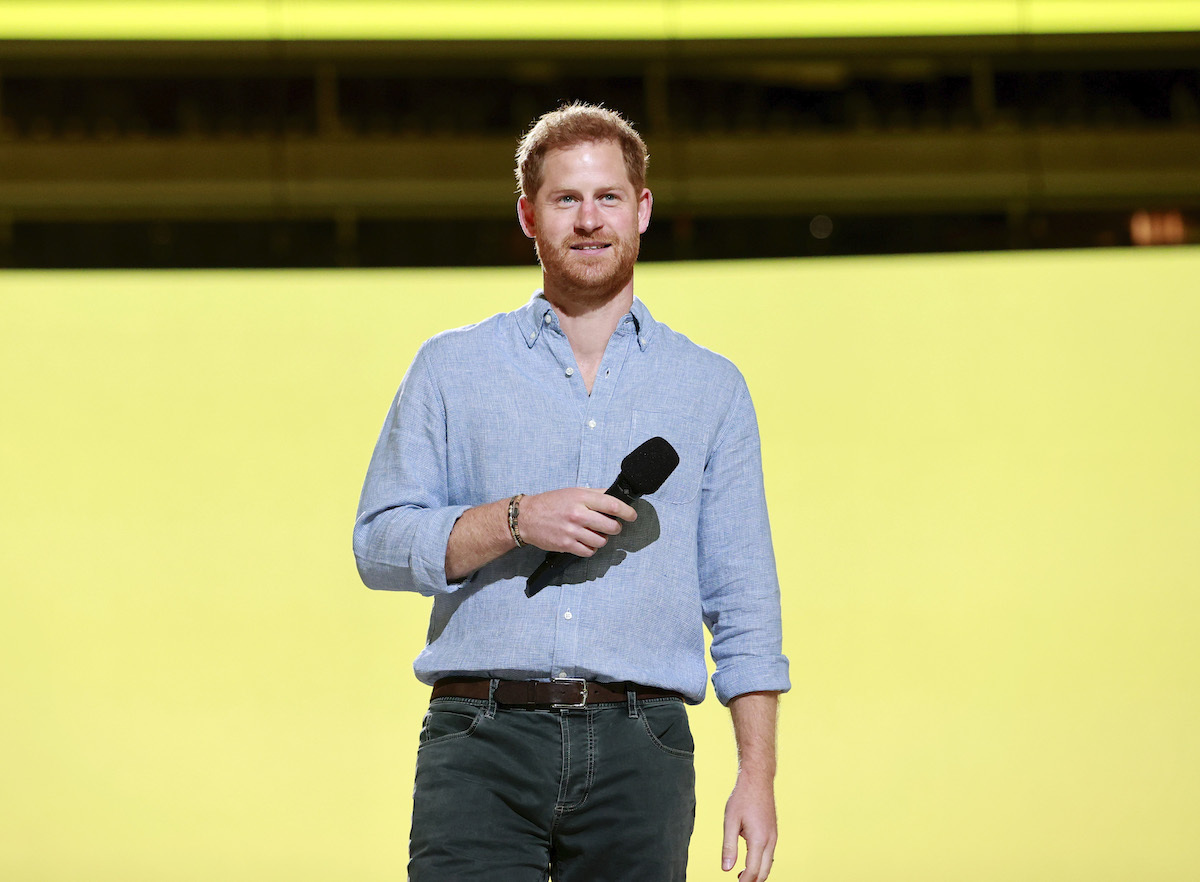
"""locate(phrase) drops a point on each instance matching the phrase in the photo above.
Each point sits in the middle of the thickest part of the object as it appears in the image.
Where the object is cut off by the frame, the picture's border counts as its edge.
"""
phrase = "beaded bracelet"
(514, 511)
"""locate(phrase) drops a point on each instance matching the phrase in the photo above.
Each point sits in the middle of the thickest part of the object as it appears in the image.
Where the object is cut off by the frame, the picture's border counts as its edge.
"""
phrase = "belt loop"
(631, 701)
(490, 713)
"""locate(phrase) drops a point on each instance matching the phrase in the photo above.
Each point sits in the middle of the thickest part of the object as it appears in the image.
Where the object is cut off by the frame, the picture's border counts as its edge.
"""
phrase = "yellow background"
(556, 20)
(985, 492)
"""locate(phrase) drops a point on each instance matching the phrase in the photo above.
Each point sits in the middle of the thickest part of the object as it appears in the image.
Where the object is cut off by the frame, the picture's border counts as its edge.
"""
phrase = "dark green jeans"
(598, 794)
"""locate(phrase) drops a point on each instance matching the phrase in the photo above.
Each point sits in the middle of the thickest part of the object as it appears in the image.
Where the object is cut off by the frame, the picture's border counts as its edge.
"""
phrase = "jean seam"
(560, 807)
(591, 760)
(490, 713)
(453, 736)
(565, 772)
(669, 751)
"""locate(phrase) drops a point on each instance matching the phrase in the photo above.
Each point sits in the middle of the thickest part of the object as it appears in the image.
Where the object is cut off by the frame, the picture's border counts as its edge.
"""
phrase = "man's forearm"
(478, 537)
(750, 811)
(754, 719)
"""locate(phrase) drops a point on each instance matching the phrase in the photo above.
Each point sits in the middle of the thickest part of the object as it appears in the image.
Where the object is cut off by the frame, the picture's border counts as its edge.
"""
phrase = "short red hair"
(573, 124)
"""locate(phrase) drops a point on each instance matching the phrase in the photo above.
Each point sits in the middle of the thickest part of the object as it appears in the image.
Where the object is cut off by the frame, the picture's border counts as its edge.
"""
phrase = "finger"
(754, 853)
(593, 542)
(612, 507)
(598, 523)
(625, 512)
(729, 847)
(768, 860)
(579, 549)
(594, 537)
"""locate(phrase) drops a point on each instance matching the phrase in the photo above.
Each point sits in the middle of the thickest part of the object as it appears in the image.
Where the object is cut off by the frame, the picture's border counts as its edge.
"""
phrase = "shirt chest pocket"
(683, 485)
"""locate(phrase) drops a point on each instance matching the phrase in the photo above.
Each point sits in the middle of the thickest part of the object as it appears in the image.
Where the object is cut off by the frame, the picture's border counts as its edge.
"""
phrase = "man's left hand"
(750, 814)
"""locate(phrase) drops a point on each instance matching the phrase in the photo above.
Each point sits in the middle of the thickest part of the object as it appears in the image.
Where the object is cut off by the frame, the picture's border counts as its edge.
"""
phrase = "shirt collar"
(538, 314)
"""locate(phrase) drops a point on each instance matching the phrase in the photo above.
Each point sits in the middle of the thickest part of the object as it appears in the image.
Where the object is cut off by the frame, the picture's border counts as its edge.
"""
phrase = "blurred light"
(821, 227)
(543, 19)
(1157, 228)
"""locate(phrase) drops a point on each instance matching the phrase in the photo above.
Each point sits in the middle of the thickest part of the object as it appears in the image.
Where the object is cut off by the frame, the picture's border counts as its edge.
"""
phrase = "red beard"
(600, 275)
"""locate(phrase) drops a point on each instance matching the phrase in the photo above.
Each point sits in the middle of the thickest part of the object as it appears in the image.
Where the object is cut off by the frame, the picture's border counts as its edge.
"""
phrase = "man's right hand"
(575, 520)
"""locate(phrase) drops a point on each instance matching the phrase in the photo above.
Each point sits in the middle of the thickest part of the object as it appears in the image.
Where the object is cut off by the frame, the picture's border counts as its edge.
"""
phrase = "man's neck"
(589, 325)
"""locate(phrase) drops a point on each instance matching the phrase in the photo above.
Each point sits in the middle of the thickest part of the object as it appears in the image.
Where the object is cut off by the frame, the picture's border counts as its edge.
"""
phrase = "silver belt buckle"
(582, 692)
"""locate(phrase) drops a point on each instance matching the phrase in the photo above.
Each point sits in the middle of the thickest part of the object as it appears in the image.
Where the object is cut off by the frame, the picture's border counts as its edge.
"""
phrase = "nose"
(588, 219)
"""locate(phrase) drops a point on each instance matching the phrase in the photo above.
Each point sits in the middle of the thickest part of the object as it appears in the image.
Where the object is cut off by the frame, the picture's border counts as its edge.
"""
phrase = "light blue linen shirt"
(500, 408)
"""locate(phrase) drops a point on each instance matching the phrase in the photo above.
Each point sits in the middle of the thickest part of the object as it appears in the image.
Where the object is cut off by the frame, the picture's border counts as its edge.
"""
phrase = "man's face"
(586, 220)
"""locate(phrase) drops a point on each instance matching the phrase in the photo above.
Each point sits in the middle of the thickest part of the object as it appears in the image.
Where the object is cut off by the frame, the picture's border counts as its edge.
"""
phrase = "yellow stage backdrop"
(985, 489)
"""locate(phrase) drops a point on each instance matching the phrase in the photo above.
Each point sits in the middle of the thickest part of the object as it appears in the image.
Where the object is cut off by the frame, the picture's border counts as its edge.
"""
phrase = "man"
(556, 741)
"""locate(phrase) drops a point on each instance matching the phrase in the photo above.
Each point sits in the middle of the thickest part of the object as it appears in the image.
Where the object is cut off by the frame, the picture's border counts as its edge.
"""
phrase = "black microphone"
(642, 471)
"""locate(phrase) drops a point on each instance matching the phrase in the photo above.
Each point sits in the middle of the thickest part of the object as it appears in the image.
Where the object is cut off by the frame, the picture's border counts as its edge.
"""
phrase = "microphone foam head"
(649, 465)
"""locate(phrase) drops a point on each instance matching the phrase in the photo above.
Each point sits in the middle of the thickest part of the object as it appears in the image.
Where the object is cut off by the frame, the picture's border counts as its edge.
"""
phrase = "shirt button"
(641, 341)
(546, 318)
(570, 372)
(591, 424)
(567, 614)
(533, 336)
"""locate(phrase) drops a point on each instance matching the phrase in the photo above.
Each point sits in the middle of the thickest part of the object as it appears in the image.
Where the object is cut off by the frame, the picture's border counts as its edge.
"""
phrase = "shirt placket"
(596, 437)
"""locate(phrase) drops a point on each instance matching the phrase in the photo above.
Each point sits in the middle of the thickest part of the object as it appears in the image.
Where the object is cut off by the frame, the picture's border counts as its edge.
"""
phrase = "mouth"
(590, 247)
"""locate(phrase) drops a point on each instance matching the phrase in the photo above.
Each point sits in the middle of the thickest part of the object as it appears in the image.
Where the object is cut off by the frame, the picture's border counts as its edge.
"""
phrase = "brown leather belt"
(544, 694)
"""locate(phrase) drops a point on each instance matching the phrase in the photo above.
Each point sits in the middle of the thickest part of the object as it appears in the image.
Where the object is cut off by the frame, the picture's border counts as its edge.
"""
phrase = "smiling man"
(556, 744)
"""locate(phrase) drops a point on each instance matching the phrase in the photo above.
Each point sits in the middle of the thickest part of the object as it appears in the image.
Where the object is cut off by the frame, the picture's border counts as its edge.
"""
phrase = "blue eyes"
(607, 197)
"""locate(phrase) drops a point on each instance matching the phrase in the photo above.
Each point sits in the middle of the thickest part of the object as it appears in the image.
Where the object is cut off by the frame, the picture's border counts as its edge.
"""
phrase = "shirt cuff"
(429, 549)
(751, 675)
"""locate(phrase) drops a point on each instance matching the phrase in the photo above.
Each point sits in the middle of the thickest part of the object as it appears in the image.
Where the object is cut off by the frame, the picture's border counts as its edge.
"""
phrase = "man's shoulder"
(690, 355)
(467, 339)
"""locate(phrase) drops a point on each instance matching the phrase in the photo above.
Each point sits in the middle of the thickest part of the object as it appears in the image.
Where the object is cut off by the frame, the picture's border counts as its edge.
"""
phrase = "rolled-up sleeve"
(738, 582)
(404, 517)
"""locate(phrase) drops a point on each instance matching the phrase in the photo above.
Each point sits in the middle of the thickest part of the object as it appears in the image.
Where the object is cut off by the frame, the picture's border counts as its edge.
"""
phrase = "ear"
(645, 204)
(526, 217)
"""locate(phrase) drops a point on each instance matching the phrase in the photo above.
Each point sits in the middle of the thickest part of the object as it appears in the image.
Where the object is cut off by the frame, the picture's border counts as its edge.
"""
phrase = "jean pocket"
(666, 724)
(448, 720)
